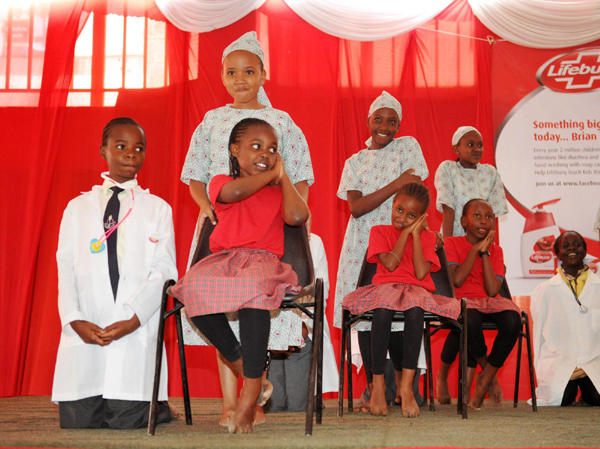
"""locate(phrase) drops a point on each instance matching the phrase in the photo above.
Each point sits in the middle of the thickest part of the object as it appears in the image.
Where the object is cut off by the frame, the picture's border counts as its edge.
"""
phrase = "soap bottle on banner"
(537, 243)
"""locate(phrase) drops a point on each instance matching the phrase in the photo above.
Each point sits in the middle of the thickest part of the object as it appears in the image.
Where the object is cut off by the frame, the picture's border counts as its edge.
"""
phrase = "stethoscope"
(582, 309)
(97, 245)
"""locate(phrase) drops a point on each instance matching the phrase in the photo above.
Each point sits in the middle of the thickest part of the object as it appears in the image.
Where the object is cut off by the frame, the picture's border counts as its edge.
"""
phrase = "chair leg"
(349, 367)
(183, 368)
(463, 360)
(340, 411)
(429, 377)
(310, 393)
(518, 373)
(319, 299)
(158, 362)
(530, 359)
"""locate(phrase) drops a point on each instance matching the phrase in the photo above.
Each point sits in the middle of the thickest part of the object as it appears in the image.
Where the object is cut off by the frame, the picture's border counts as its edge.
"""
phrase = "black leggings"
(509, 326)
(404, 346)
(589, 393)
(255, 325)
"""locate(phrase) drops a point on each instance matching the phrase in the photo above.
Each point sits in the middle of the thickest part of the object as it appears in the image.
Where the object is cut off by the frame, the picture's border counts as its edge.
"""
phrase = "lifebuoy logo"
(575, 71)
(540, 257)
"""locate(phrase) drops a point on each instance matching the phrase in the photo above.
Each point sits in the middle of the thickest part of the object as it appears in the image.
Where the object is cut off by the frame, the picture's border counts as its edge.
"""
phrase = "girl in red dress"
(244, 274)
(477, 268)
(405, 254)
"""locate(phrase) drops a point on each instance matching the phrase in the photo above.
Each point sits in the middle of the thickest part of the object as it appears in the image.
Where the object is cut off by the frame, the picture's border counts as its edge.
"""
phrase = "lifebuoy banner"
(547, 150)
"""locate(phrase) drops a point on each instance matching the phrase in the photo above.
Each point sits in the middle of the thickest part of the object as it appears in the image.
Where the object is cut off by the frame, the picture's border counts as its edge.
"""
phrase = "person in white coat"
(109, 293)
(566, 328)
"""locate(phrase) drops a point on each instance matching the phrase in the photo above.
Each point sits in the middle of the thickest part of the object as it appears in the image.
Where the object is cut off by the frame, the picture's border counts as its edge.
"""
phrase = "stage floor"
(33, 422)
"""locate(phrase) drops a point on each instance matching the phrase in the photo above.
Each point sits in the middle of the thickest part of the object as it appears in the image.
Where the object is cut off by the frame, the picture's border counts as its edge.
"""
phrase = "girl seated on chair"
(245, 273)
(405, 254)
(477, 269)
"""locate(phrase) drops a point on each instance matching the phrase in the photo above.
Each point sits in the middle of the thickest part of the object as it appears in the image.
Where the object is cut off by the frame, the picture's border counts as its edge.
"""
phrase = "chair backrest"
(504, 290)
(441, 279)
(296, 250)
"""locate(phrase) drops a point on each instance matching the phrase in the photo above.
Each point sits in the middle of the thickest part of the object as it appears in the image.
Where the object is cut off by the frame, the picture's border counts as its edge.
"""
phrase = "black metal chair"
(444, 286)
(525, 332)
(297, 254)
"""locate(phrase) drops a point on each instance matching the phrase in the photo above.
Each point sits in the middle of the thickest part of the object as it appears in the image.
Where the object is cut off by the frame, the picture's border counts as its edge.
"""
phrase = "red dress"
(244, 270)
(400, 289)
(457, 250)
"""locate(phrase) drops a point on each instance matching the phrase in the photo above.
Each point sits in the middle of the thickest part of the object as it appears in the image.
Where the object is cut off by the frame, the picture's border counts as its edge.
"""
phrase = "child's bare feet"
(495, 391)
(410, 408)
(259, 416)
(174, 412)
(378, 402)
(225, 417)
(243, 417)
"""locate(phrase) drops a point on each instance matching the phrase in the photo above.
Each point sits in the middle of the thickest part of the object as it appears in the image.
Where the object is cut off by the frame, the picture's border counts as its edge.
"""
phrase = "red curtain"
(325, 83)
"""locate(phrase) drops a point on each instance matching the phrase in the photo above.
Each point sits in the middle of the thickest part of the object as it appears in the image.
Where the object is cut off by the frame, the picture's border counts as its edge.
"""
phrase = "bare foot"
(265, 392)
(378, 403)
(365, 408)
(225, 417)
(476, 402)
(441, 388)
(174, 412)
(495, 391)
(243, 417)
(259, 416)
(410, 408)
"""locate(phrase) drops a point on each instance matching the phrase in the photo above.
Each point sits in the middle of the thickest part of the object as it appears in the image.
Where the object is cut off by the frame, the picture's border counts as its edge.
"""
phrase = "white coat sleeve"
(146, 298)
(68, 296)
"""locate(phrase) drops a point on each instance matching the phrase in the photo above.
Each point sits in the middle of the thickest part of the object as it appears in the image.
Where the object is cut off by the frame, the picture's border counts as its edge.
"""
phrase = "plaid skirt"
(492, 305)
(235, 279)
(395, 296)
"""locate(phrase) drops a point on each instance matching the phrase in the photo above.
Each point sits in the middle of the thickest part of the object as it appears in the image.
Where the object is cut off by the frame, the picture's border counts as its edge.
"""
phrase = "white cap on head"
(249, 42)
(386, 100)
(461, 131)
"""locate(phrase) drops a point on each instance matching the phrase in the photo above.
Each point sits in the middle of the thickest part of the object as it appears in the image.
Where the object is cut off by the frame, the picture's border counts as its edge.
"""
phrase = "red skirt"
(235, 279)
(395, 296)
(492, 305)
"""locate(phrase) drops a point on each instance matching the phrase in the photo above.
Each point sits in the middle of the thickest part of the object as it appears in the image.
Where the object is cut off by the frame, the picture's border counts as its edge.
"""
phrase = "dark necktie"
(111, 217)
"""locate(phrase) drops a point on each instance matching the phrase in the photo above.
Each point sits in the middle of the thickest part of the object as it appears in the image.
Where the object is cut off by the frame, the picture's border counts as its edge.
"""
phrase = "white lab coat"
(125, 368)
(564, 338)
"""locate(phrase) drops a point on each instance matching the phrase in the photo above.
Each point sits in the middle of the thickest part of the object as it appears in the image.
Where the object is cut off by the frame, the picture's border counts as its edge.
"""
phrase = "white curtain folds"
(200, 16)
(541, 23)
(367, 20)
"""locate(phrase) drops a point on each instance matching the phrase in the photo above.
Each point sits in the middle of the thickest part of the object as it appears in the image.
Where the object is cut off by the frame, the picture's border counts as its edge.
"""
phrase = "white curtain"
(199, 16)
(541, 23)
(367, 20)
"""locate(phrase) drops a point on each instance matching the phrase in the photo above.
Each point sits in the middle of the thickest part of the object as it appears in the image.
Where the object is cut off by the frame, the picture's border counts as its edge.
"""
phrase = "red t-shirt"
(457, 250)
(256, 222)
(383, 239)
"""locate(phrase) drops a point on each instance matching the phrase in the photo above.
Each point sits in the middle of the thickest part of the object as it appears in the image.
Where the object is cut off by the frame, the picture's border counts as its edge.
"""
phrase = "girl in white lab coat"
(110, 290)
(566, 328)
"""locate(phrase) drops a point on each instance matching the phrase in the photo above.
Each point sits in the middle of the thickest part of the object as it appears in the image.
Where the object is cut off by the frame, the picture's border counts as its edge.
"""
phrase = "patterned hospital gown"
(457, 185)
(208, 156)
(368, 171)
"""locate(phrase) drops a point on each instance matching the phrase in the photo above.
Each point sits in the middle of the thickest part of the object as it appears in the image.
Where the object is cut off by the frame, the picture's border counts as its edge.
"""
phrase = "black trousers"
(509, 326)
(404, 346)
(95, 413)
(255, 325)
(589, 393)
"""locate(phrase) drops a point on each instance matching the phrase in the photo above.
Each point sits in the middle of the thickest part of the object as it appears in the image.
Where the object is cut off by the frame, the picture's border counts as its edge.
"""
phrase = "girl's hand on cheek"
(278, 170)
(420, 225)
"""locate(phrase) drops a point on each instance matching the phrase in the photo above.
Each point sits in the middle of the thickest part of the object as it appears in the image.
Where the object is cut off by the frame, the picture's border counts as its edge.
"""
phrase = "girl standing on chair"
(405, 254)
(244, 273)
(477, 269)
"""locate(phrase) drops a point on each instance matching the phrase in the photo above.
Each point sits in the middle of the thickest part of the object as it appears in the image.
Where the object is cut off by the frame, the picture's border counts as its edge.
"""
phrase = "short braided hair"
(236, 134)
(415, 190)
(119, 121)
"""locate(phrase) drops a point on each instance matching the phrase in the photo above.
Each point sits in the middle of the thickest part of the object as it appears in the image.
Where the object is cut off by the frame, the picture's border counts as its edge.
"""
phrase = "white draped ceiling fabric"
(200, 16)
(541, 23)
(530, 23)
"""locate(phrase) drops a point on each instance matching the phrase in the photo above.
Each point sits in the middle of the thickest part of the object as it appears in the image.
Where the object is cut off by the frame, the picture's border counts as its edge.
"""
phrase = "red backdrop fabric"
(50, 153)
